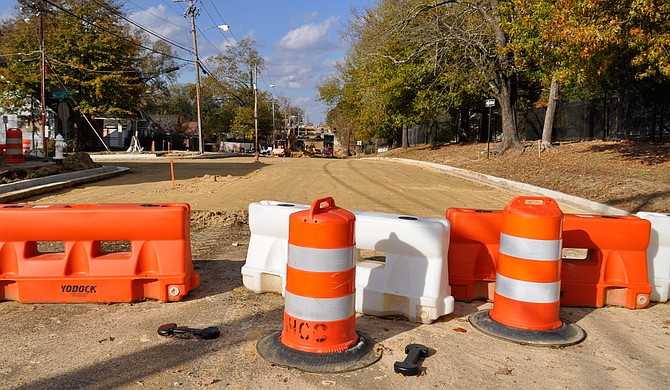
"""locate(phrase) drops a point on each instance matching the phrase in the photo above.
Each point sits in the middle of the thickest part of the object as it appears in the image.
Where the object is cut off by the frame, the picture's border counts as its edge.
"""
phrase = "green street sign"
(62, 95)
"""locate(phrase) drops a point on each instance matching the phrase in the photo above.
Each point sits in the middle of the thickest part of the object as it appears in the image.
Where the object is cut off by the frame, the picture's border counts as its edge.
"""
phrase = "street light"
(192, 11)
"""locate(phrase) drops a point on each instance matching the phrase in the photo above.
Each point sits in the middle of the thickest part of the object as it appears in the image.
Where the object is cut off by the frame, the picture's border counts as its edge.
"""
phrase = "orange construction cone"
(319, 332)
(528, 278)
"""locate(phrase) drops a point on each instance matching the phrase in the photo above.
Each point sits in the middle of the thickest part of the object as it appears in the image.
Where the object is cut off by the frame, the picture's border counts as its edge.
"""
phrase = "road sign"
(490, 102)
(62, 95)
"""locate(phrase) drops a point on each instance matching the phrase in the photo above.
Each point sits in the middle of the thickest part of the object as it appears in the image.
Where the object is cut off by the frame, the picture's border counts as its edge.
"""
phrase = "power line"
(158, 16)
(148, 31)
(115, 34)
(220, 31)
(134, 71)
(237, 41)
(76, 104)
(19, 54)
(221, 17)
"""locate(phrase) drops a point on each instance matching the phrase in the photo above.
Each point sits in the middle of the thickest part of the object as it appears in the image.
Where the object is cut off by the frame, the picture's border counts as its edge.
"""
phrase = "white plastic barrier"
(412, 281)
(658, 255)
(265, 268)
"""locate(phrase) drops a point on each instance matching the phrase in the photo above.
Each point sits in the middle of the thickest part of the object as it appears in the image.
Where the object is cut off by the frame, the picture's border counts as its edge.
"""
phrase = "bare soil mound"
(33, 169)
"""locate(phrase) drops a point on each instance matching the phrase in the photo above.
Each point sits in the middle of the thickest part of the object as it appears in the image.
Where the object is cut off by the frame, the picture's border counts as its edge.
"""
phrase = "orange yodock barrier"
(604, 258)
(528, 280)
(474, 241)
(605, 261)
(319, 333)
(95, 252)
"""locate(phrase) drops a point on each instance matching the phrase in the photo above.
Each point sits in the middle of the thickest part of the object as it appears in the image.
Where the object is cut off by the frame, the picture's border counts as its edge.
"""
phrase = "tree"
(231, 83)
(95, 56)
(593, 44)
(339, 110)
(87, 51)
(158, 74)
(383, 95)
(459, 35)
(411, 61)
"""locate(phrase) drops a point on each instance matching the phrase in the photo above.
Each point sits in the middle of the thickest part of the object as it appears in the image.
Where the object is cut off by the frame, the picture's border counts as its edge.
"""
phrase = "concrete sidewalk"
(26, 188)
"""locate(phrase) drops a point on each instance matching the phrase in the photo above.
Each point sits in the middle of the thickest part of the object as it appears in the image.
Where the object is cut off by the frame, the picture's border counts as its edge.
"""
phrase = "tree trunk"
(405, 136)
(549, 115)
(510, 138)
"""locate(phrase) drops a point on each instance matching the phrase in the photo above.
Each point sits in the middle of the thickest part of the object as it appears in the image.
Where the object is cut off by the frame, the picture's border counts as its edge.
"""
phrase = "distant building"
(30, 125)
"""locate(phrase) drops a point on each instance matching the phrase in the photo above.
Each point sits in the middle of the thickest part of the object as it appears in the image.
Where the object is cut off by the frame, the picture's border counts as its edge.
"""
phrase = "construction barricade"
(265, 265)
(528, 282)
(474, 241)
(609, 266)
(604, 258)
(411, 281)
(319, 333)
(95, 252)
(658, 255)
(13, 148)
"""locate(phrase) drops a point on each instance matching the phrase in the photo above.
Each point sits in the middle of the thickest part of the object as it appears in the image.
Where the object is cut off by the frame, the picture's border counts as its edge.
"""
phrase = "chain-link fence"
(641, 118)
(635, 117)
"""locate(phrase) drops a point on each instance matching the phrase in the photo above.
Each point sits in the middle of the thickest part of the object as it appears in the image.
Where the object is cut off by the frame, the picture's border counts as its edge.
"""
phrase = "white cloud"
(305, 17)
(302, 59)
(161, 21)
(312, 37)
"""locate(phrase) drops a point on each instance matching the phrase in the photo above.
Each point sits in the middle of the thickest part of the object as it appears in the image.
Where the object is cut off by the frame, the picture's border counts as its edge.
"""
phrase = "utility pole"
(256, 112)
(43, 80)
(192, 10)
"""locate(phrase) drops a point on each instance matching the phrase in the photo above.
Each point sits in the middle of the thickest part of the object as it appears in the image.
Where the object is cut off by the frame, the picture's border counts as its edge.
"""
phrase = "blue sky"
(299, 39)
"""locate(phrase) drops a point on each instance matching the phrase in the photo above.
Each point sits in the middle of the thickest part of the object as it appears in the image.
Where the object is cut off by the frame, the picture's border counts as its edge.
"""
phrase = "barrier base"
(568, 334)
(359, 356)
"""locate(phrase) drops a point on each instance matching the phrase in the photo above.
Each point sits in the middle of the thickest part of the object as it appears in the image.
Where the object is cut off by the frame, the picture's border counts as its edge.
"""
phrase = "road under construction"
(117, 345)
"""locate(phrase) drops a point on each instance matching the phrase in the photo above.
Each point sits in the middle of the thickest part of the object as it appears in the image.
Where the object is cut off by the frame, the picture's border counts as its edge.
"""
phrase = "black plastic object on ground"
(411, 366)
(208, 333)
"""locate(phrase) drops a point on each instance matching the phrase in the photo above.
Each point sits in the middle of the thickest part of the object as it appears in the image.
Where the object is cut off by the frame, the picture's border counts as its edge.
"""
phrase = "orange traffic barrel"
(26, 146)
(319, 333)
(527, 295)
(2, 149)
(13, 152)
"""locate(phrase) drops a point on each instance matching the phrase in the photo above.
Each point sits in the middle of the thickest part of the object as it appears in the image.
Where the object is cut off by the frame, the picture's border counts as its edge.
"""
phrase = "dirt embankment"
(33, 169)
(631, 176)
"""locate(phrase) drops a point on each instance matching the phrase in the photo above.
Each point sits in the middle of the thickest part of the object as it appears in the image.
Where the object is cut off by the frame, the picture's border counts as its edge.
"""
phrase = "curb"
(25, 188)
(154, 156)
(117, 157)
(510, 184)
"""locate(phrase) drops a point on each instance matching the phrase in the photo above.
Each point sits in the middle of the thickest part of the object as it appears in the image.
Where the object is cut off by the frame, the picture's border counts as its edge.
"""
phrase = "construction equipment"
(328, 145)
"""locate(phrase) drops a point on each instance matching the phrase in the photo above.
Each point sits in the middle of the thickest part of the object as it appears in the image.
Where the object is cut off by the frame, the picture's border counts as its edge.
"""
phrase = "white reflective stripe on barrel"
(321, 260)
(530, 249)
(534, 292)
(320, 309)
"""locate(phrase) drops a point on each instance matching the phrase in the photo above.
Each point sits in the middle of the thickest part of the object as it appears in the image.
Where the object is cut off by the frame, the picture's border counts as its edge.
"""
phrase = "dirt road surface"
(116, 345)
